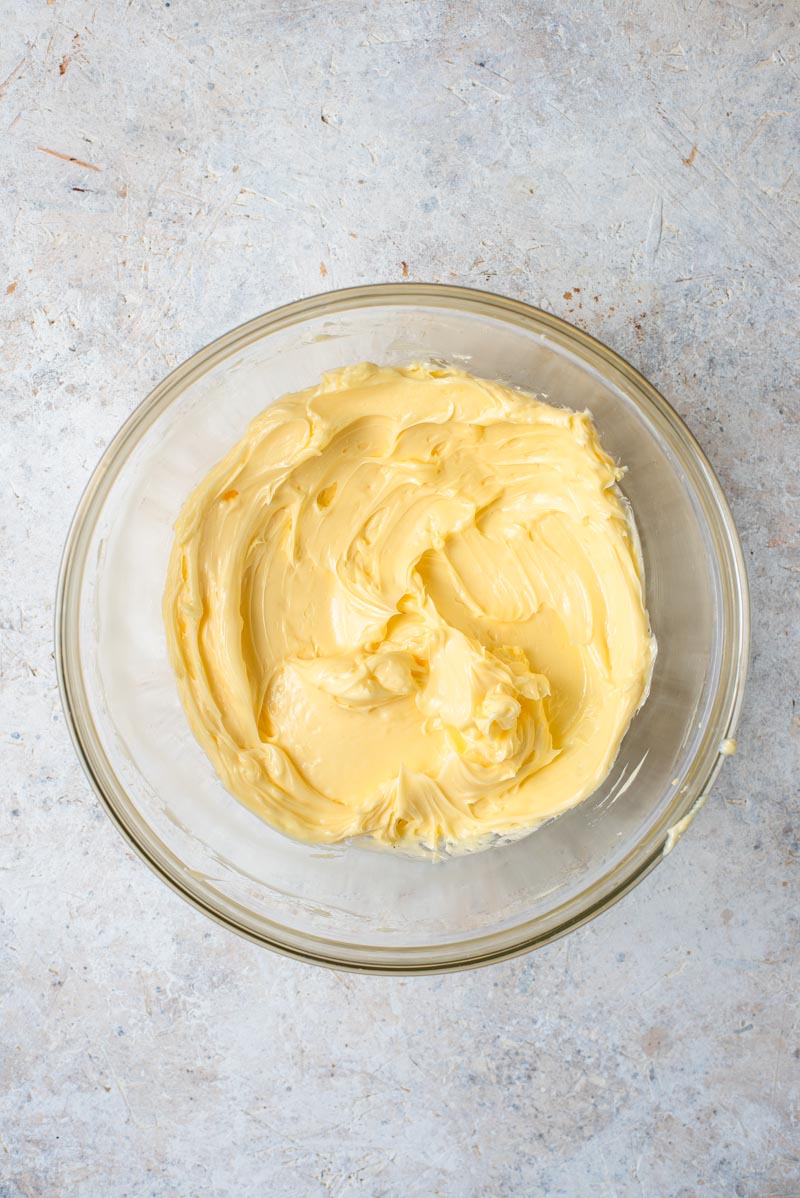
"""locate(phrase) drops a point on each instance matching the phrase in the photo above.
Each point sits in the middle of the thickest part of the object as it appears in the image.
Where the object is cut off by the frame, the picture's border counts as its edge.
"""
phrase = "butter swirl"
(408, 605)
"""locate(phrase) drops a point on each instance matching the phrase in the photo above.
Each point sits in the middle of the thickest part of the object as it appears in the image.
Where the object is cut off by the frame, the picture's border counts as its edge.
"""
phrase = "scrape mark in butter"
(623, 786)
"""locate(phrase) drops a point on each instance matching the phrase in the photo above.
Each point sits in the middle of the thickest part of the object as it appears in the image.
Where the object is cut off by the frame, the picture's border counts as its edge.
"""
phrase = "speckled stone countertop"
(168, 170)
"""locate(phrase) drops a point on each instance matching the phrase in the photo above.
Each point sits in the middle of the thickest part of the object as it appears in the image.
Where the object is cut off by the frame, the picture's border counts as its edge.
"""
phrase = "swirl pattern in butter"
(409, 605)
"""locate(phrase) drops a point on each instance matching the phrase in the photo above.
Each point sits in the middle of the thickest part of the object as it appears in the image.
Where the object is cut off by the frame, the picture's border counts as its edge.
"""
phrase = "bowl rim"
(703, 767)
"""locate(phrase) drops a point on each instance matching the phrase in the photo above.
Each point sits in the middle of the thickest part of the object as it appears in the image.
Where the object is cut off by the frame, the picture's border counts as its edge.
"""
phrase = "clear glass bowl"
(352, 907)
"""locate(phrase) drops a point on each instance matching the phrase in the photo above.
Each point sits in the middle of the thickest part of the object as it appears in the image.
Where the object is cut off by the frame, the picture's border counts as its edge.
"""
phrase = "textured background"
(170, 169)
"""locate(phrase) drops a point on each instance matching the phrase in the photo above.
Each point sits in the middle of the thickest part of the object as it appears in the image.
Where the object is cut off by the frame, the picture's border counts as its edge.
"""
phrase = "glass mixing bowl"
(351, 906)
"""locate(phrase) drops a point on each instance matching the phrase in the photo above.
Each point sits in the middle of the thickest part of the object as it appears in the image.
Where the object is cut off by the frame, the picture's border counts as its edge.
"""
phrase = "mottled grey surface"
(170, 169)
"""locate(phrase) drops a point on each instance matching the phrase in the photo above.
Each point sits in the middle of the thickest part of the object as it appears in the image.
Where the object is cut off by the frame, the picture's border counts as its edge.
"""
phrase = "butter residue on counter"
(409, 605)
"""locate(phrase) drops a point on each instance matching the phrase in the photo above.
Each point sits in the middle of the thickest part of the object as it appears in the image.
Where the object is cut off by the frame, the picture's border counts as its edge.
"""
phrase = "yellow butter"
(408, 605)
